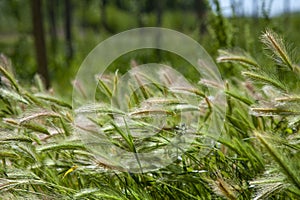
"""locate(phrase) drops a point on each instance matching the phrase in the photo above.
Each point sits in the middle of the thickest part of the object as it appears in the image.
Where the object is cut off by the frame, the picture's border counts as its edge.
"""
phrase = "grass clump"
(256, 156)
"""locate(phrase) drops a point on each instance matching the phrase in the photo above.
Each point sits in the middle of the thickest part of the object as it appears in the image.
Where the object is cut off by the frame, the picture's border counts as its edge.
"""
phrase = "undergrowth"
(255, 157)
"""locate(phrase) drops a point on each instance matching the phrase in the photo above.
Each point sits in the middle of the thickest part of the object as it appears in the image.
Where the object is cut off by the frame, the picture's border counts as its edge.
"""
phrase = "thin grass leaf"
(115, 89)
(8, 154)
(187, 90)
(264, 111)
(39, 82)
(99, 108)
(210, 83)
(66, 127)
(142, 87)
(62, 146)
(29, 125)
(28, 151)
(116, 80)
(17, 139)
(109, 196)
(30, 97)
(10, 78)
(13, 183)
(150, 112)
(239, 124)
(105, 88)
(208, 71)
(224, 189)
(252, 156)
(35, 127)
(239, 97)
(153, 82)
(78, 86)
(284, 164)
(269, 190)
(85, 193)
(295, 99)
(70, 170)
(237, 57)
(37, 115)
(294, 191)
(276, 45)
(265, 79)
(11, 95)
(134, 94)
(163, 101)
(178, 189)
(53, 100)
(123, 135)
(132, 146)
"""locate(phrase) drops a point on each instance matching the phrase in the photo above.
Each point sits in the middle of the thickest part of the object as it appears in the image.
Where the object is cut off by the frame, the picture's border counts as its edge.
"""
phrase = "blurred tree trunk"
(138, 9)
(241, 8)
(39, 40)
(255, 10)
(287, 6)
(159, 12)
(52, 9)
(103, 16)
(68, 31)
(286, 10)
(83, 8)
(201, 10)
(103, 13)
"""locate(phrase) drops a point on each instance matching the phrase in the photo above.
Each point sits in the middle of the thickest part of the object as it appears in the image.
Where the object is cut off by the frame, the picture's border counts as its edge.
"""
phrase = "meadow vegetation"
(255, 156)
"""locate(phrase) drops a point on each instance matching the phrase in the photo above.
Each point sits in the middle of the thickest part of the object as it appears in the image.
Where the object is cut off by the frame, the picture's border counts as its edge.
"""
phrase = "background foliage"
(256, 156)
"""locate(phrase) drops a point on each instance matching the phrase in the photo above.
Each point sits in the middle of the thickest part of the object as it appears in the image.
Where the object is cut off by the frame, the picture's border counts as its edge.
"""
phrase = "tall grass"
(255, 157)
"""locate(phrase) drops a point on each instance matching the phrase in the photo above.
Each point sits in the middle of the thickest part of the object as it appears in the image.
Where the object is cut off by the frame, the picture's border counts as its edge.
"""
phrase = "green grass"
(256, 155)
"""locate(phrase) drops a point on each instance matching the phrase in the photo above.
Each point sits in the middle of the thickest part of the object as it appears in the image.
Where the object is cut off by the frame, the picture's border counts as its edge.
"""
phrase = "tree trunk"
(68, 33)
(52, 9)
(201, 10)
(287, 6)
(255, 9)
(39, 40)
(286, 10)
(103, 16)
(139, 7)
(159, 12)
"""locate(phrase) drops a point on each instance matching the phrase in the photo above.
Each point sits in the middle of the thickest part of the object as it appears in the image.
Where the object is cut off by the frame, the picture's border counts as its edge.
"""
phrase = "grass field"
(240, 142)
(256, 155)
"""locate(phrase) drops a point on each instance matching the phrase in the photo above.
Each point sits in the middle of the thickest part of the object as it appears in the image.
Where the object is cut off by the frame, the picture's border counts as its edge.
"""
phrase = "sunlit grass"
(255, 157)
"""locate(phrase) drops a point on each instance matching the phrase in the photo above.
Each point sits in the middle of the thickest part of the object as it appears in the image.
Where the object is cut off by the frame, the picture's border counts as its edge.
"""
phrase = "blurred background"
(52, 37)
